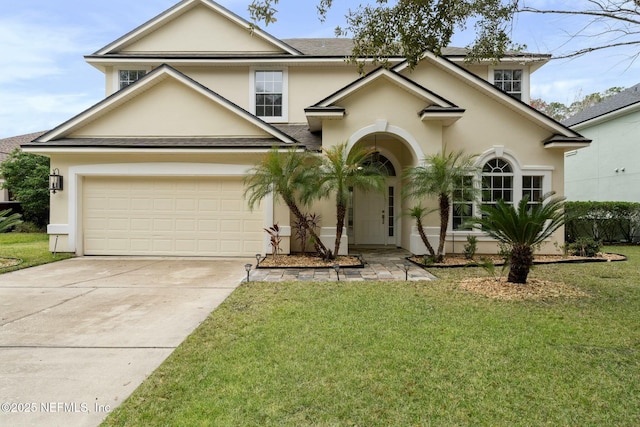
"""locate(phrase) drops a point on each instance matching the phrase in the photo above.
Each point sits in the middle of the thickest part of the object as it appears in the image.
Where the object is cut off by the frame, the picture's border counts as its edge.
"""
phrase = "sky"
(44, 79)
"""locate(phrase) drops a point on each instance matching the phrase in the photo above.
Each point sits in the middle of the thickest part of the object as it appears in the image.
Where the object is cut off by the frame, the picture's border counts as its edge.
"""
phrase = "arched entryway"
(376, 219)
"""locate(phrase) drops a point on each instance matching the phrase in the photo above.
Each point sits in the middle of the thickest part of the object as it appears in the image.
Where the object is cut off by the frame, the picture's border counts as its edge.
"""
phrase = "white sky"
(45, 81)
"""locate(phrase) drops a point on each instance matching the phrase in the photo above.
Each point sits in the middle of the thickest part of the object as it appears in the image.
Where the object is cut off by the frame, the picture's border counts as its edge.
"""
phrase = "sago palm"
(342, 169)
(282, 173)
(522, 229)
(441, 176)
(9, 220)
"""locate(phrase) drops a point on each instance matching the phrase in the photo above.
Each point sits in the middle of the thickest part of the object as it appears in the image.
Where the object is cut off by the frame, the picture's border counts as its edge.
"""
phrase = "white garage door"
(169, 216)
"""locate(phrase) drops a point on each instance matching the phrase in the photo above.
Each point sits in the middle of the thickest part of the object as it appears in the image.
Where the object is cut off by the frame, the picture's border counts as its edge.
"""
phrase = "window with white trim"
(501, 178)
(497, 182)
(532, 187)
(269, 94)
(127, 77)
(510, 81)
(462, 203)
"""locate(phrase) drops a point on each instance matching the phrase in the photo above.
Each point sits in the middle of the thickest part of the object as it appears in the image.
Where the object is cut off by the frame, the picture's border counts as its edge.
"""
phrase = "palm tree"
(283, 173)
(418, 212)
(343, 169)
(522, 229)
(441, 176)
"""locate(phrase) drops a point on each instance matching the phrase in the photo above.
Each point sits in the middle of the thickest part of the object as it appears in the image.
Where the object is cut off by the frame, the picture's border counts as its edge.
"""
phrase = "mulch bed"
(9, 262)
(456, 260)
(534, 289)
(491, 287)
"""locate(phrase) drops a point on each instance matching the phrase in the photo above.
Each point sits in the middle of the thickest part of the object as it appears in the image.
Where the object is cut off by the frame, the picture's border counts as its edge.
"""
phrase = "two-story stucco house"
(195, 99)
(607, 170)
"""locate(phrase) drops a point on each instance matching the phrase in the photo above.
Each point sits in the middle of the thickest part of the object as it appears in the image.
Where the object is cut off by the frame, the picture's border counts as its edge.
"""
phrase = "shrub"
(470, 247)
(26, 176)
(28, 227)
(584, 246)
(602, 221)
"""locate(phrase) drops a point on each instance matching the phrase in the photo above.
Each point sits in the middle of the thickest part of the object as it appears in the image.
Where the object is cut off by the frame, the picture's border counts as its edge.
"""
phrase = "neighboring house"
(195, 99)
(609, 169)
(7, 146)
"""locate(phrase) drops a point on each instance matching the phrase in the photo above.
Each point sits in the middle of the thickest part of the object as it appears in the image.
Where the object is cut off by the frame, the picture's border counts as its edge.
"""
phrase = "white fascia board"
(606, 117)
(326, 114)
(567, 145)
(101, 62)
(118, 150)
(180, 8)
(447, 119)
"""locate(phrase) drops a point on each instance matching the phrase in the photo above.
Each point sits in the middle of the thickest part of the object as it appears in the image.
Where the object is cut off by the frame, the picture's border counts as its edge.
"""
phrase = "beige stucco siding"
(169, 109)
(200, 30)
(231, 83)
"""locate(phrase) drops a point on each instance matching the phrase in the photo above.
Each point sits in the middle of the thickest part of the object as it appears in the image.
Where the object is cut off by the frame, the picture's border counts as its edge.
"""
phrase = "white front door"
(374, 217)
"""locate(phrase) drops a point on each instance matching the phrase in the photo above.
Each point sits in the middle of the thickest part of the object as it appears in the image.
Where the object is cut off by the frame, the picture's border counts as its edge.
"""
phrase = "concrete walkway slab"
(78, 336)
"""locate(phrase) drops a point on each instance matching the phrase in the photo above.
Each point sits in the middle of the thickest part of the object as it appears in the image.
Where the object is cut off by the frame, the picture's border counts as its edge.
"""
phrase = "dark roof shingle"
(624, 99)
(7, 145)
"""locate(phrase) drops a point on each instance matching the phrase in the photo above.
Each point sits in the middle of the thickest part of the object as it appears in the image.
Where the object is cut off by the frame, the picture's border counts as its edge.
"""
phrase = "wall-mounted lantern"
(55, 181)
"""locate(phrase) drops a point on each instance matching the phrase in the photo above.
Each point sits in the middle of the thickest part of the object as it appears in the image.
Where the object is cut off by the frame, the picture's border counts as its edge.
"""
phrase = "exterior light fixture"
(406, 266)
(247, 268)
(55, 181)
(336, 267)
(258, 256)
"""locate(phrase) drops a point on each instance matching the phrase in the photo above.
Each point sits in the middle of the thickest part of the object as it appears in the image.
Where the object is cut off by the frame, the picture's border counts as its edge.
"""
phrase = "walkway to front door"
(383, 263)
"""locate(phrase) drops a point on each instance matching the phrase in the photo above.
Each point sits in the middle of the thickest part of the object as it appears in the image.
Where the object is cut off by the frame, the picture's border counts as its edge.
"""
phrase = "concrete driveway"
(78, 336)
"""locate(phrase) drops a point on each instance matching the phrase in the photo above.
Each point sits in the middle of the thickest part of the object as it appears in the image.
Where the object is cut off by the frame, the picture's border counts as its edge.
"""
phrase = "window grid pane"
(509, 81)
(268, 93)
(128, 77)
(462, 204)
(391, 210)
(532, 187)
(497, 182)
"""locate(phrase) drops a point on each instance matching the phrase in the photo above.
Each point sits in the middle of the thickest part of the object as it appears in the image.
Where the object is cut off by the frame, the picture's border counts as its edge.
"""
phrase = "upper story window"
(269, 94)
(509, 81)
(269, 86)
(127, 77)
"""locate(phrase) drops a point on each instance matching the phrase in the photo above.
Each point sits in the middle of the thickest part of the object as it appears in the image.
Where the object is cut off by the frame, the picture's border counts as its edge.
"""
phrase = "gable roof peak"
(179, 9)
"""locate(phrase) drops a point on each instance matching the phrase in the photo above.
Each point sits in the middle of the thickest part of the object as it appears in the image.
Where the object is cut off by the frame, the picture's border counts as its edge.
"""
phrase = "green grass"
(31, 248)
(407, 353)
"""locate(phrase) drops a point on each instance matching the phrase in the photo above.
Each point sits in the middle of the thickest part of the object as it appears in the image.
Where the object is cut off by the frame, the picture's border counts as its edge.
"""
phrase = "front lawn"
(407, 353)
(28, 250)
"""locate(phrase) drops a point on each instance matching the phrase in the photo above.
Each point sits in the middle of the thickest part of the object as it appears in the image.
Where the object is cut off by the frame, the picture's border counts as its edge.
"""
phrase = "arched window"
(382, 163)
(497, 181)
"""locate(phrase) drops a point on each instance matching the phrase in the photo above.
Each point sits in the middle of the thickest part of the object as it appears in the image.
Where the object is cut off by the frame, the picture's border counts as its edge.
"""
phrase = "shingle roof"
(335, 46)
(624, 99)
(7, 145)
(300, 133)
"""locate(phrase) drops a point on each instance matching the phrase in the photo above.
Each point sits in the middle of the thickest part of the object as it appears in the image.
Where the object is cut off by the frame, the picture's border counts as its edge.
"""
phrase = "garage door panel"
(209, 225)
(169, 216)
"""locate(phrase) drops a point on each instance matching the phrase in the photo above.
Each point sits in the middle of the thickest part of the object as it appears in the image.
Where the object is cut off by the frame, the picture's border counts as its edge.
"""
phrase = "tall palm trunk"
(424, 238)
(317, 243)
(443, 200)
(341, 212)
(520, 263)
